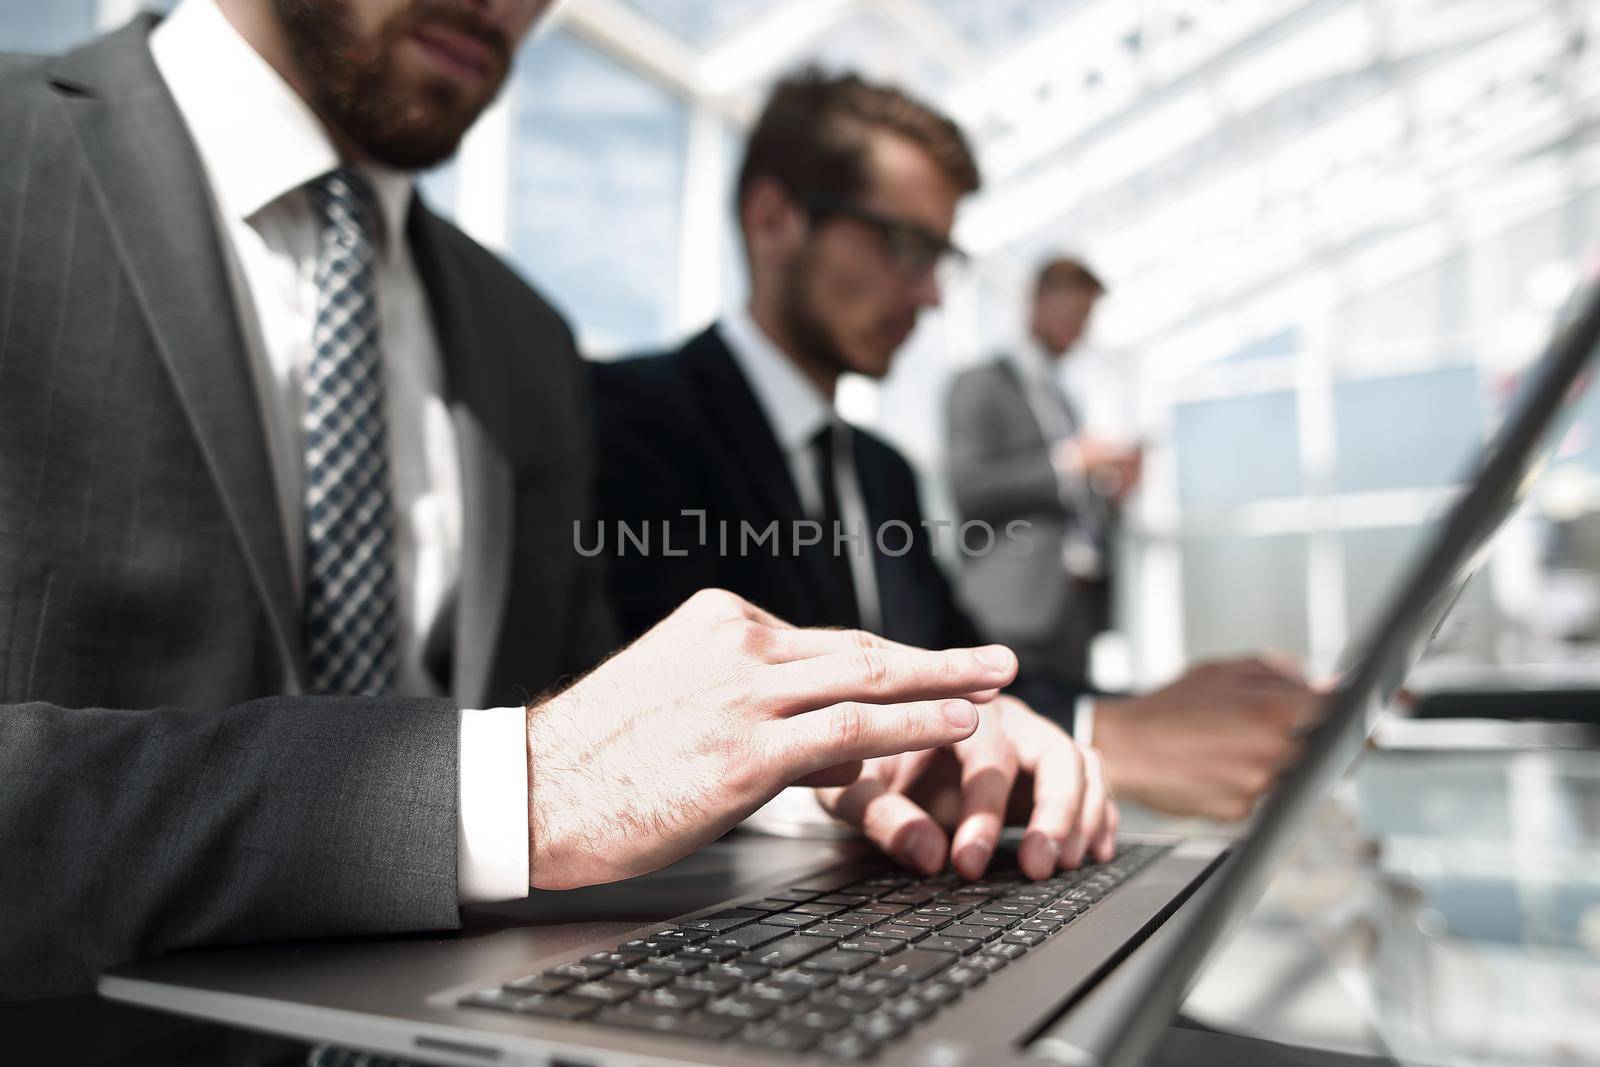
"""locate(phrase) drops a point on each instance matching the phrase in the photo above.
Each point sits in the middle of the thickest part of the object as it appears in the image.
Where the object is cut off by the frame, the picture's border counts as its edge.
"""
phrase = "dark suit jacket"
(162, 782)
(683, 431)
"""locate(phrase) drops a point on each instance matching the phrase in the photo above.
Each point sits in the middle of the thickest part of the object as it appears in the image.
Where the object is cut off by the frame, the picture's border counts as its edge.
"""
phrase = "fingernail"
(925, 850)
(996, 657)
(960, 714)
(974, 858)
(1048, 851)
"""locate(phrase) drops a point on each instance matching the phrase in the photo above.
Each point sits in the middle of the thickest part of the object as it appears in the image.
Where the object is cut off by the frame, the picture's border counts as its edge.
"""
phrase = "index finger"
(880, 675)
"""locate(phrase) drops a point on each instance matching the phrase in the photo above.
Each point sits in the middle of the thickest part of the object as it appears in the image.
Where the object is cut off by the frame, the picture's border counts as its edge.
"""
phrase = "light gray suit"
(1001, 473)
(142, 564)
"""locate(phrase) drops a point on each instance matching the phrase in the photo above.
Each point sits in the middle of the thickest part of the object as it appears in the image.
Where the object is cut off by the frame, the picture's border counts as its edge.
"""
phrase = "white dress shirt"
(797, 411)
(260, 144)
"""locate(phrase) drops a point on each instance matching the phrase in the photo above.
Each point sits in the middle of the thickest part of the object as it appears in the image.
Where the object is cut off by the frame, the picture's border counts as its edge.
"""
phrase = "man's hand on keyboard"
(677, 738)
(924, 808)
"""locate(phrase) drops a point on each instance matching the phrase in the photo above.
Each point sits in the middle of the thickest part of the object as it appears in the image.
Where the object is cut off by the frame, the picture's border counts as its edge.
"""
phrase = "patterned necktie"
(836, 563)
(350, 615)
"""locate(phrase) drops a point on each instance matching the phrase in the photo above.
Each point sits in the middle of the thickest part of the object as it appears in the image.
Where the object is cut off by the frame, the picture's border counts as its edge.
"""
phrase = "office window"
(596, 184)
(1244, 593)
(997, 24)
(1238, 450)
(1409, 431)
(698, 22)
(45, 26)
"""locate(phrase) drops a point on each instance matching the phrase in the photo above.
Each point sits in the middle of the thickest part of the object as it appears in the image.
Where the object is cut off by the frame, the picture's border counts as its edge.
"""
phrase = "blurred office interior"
(1334, 231)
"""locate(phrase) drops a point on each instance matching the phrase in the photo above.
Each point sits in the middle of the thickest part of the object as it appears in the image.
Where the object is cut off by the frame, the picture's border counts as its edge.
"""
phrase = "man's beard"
(801, 322)
(356, 88)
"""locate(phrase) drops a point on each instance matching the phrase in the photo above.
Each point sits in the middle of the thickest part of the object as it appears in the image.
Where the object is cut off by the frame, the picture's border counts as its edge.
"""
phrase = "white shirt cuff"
(492, 820)
(796, 812)
(1083, 720)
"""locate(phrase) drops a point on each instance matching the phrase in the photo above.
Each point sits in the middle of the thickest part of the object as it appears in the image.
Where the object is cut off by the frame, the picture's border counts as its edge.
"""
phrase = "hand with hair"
(951, 803)
(1212, 742)
(680, 736)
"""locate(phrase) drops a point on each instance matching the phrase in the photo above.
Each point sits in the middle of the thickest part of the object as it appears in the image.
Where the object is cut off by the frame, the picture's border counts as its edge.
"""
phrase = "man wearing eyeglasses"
(723, 463)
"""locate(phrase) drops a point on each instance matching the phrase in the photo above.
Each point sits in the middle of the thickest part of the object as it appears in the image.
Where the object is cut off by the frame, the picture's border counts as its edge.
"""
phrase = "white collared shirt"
(797, 411)
(260, 144)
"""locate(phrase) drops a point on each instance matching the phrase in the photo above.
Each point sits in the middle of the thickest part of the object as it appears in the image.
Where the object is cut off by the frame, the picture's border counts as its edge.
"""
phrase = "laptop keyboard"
(839, 968)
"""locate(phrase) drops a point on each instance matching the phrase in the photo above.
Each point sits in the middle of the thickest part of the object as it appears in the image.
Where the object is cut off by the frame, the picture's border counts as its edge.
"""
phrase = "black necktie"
(837, 563)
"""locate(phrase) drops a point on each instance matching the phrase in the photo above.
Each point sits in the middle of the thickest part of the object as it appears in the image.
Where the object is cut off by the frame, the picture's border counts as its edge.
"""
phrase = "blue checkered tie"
(350, 617)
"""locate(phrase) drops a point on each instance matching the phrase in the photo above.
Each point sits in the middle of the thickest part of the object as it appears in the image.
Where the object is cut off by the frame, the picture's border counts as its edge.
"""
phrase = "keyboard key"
(945, 910)
(546, 1007)
(789, 951)
(617, 959)
(673, 998)
(873, 985)
(924, 922)
(941, 943)
(910, 1009)
(767, 905)
(816, 1017)
(879, 1026)
(498, 998)
(840, 962)
(705, 1027)
(710, 984)
(1007, 952)
(721, 921)
(795, 895)
(803, 980)
(996, 922)
(583, 970)
(857, 919)
(644, 978)
(821, 911)
(1022, 937)
(749, 937)
(832, 931)
(777, 994)
(913, 965)
(977, 933)
(780, 1037)
(939, 993)
(605, 991)
(1043, 926)
(685, 937)
(848, 1047)
(988, 964)
(677, 966)
(882, 908)
(877, 946)
(711, 952)
(1020, 910)
(897, 932)
(909, 897)
(542, 983)
(848, 900)
(743, 1008)
(846, 1001)
(965, 975)
(788, 919)
(742, 970)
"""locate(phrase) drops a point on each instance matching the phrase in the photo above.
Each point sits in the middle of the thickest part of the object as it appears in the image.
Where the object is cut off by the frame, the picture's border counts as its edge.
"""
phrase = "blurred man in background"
(846, 199)
(1018, 452)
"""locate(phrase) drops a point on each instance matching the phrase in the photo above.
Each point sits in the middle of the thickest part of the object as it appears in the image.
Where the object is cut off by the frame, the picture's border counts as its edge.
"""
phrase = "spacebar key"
(789, 951)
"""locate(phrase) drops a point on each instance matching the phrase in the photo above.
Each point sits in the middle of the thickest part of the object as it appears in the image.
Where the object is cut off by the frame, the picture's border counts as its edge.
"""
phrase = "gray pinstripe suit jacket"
(161, 782)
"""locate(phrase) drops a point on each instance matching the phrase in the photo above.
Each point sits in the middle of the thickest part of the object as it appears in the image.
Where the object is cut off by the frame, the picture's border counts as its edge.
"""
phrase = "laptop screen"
(1378, 662)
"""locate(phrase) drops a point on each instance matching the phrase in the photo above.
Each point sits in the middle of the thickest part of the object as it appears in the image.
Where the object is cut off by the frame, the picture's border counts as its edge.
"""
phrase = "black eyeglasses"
(913, 249)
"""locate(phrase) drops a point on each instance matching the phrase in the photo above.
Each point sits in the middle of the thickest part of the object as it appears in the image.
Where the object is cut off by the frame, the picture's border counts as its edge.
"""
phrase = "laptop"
(766, 951)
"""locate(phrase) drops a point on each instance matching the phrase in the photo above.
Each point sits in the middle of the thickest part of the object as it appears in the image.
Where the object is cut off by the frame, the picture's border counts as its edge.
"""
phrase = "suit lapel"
(160, 211)
(735, 416)
(476, 382)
